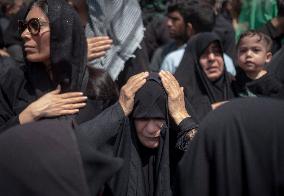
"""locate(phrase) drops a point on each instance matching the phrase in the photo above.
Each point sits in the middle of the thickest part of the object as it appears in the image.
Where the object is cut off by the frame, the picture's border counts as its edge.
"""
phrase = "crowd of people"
(139, 98)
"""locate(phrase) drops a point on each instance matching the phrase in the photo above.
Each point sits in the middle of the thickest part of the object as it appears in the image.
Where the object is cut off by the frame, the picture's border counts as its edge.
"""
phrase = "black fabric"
(41, 159)
(135, 65)
(94, 108)
(68, 49)
(276, 67)
(225, 30)
(14, 96)
(145, 172)
(156, 35)
(199, 90)
(11, 34)
(274, 34)
(151, 100)
(266, 86)
(68, 62)
(238, 151)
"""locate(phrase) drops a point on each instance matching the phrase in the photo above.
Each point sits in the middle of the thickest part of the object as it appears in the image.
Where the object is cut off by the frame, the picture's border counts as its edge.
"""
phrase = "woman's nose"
(211, 55)
(25, 34)
(153, 127)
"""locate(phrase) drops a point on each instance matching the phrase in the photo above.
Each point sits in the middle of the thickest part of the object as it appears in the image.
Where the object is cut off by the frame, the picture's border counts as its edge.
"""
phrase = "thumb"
(57, 90)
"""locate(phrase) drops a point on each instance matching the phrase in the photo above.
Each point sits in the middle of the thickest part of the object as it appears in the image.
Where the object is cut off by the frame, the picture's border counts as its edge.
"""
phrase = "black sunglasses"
(33, 26)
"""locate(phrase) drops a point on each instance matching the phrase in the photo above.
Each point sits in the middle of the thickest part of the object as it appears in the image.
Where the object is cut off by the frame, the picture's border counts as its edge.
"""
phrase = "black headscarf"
(44, 158)
(238, 150)
(200, 91)
(151, 100)
(41, 158)
(276, 65)
(68, 51)
(146, 172)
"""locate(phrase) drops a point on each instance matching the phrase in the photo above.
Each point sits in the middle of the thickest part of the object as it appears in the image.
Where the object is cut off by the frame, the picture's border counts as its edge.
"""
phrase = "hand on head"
(53, 104)
(175, 97)
(97, 46)
(127, 92)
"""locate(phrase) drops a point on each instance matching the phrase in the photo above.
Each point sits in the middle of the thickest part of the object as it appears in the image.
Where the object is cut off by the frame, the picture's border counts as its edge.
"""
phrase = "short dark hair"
(262, 37)
(200, 14)
(280, 6)
(100, 86)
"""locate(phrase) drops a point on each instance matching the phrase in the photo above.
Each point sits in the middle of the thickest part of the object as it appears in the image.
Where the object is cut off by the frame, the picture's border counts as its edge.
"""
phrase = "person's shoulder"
(9, 68)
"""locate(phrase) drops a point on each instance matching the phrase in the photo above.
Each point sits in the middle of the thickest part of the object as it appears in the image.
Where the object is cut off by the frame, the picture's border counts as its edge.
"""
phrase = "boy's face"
(252, 54)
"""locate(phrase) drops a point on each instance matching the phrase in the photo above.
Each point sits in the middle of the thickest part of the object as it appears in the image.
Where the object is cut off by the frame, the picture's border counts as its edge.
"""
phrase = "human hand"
(97, 46)
(175, 97)
(4, 53)
(127, 92)
(218, 104)
(53, 104)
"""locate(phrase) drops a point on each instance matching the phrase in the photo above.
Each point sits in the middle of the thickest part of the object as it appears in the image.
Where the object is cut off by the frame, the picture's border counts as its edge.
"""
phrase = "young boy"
(253, 52)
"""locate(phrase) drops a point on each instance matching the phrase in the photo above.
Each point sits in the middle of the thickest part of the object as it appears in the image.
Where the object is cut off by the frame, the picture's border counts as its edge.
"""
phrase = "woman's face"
(149, 131)
(212, 62)
(37, 47)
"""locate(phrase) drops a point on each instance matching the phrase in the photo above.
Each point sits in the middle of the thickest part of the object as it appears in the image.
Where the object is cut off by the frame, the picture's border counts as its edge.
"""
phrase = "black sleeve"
(12, 93)
(103, 128)
(10, 122)
(183, 140)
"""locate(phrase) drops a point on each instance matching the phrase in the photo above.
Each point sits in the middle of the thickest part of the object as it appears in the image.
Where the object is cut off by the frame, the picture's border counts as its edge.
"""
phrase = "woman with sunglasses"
(55, 72)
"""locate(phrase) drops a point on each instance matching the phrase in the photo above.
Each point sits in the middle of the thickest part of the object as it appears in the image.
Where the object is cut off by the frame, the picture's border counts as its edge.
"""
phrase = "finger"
(165, 80)
(170, 80)
(100, 43)
(75, 100)
(99, 48)
(74, 106)
(56, 91)
(96, 55)
(71, 95)
(128, 87)
(68, 112)
(142, 75)
(135, 82)
(169, 77)
(92, 40)
(137, 85)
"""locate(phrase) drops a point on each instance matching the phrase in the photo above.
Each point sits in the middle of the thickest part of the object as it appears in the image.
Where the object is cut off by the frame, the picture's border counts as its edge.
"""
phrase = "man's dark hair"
(280, 5)
(201, 15)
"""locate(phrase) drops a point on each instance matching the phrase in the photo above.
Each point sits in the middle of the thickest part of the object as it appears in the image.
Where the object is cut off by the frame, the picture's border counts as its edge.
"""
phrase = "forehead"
(214, 44)
(174, 15)
(252, 41)
(36, 12)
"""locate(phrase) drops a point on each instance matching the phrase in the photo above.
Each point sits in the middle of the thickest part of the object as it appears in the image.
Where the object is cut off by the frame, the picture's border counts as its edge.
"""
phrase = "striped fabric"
(121, 20)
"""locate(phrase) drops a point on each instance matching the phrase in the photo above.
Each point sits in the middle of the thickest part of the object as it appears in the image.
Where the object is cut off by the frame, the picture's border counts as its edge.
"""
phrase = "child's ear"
(268, 57)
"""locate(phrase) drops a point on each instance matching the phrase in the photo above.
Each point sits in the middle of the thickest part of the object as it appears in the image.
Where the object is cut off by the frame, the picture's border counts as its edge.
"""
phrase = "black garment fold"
(146, 172)
(41, 159)
(238, 151)
(199, 90)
